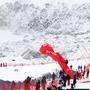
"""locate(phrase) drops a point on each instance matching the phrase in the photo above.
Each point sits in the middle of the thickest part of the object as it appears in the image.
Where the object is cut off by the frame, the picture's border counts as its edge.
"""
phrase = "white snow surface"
(9, 73)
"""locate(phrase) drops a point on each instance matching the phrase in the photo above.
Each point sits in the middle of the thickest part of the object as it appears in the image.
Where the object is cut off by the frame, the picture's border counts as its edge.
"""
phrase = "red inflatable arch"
(46, 49)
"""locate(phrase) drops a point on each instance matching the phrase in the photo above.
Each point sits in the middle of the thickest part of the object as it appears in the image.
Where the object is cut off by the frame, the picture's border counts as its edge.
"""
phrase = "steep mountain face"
(27, 17)
(66, 28)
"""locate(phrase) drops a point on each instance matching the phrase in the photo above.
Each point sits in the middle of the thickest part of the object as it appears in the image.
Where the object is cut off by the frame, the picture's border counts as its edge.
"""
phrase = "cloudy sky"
(41, 2)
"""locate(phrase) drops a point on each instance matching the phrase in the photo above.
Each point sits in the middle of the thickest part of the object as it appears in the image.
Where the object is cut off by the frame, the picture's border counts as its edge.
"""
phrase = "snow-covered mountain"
(25, 27)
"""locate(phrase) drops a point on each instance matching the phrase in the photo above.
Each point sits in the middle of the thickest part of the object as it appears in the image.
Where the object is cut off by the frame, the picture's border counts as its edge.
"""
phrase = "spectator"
(71, 66)
(52, 86)
(13, 85)
(87, 75)
(61, 74)
(64, 80)
(72, 88)
(43, 81)
(60, 85)
(84, 67)
(38, 85)
(27, 83)
(83, 73)
(53, 76)
(68, 79)
(74, 80)
(49, 76)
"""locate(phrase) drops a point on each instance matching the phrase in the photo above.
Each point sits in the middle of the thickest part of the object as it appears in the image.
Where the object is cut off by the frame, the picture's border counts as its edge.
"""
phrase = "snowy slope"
(24, 27)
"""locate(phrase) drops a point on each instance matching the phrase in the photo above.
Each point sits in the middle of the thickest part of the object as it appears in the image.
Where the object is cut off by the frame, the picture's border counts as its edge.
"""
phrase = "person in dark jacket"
(71, 66)
(43, 82)
(38, 85)
(87, 73)
(53, 76)
(61, 74)
(60, 84)
(64, 78)
(27, 83)
(74, 80)
(68, 79)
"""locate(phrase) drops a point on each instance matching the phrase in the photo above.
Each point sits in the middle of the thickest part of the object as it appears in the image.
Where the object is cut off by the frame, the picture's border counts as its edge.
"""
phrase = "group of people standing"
(63, 80)
(44, 84)
(57, 80)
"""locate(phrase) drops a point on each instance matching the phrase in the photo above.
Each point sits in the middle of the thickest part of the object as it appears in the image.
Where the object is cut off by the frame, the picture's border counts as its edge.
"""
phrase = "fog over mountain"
(24, 27)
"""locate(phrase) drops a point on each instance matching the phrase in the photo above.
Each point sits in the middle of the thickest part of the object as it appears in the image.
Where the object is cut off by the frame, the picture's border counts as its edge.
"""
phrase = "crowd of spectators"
(50, 81)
